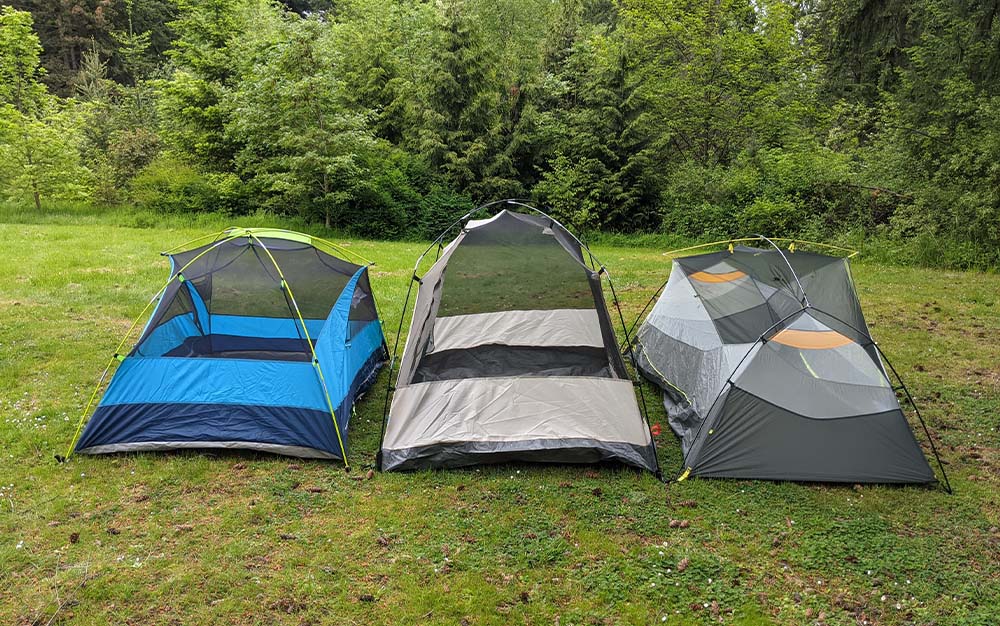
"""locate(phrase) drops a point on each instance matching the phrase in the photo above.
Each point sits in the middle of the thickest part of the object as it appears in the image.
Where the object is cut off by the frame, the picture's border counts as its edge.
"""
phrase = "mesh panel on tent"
(234, 295)
(261, 340)
(518, 263)
(769, 371)
(513, 264)
(511, 356)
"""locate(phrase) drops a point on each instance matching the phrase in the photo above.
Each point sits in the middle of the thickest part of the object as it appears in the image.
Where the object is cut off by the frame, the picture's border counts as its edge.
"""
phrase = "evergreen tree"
(193, 100)
(462, 103)
(301, 147)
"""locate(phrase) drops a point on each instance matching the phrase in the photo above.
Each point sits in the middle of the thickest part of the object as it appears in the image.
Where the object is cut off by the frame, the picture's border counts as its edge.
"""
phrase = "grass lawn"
(199, 538)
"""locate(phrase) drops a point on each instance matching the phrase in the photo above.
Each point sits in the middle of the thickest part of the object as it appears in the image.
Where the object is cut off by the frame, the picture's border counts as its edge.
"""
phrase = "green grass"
(197, 538)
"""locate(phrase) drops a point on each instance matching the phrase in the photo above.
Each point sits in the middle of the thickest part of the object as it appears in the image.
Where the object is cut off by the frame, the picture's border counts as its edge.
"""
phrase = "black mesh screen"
(239, 278)
(234, 346)
(498, 360)
(180, 304)
(519, 262)
(743, 307)
(363, 303)
(174, 304)
(247, 286)
(317, 279)
(513, 264)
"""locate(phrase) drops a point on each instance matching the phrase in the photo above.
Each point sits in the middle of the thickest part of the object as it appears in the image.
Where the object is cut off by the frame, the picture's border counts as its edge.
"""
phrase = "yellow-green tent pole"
(128, 333)
(312, 348)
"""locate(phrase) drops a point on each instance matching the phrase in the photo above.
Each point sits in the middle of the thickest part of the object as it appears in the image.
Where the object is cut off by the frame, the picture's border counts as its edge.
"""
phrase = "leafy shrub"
(127, 153)
(573, 191)
(776, 217)
(374, 213)
(706, 219)
(170, 185)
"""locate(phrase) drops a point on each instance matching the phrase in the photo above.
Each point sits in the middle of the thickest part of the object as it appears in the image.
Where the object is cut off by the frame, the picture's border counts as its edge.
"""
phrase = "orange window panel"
(811, 339)
(705, 277)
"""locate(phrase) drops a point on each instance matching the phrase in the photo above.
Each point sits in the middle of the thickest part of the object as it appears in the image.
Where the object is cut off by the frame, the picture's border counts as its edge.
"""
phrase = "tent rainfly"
(511, 356)
(769, 371)
(261, 339)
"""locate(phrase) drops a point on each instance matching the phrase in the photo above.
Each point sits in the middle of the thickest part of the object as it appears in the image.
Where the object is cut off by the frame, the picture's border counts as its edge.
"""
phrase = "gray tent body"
(511, 356)
(770, 374)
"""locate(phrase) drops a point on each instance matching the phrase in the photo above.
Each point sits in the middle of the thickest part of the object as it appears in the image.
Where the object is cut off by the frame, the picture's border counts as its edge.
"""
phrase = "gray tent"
(511, 356)
(769, 371)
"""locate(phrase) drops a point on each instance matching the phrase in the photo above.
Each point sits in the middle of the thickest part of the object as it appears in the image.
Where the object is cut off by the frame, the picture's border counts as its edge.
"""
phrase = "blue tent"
(261, 339)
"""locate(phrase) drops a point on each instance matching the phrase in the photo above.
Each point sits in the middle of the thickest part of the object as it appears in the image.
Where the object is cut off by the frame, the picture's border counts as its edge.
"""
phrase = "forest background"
(872, 122)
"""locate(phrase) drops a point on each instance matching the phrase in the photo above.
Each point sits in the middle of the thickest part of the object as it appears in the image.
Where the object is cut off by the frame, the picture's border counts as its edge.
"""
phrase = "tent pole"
(86, 410)
(729, 381)
(916, 409)
(319, 370)
(121, 344)
(392, 364)
(337, 248)
(191, 241)
(638, 317)
(742, 239)
(802, 290)
(709, 244)
(821, 245)
(636, 383)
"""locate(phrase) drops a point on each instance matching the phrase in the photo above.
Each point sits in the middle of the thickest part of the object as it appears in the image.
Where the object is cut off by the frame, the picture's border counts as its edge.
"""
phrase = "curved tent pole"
(121, 344)
(181, 246)
(635, 364)
(319, 370)
(240, 231)
(742, 239)
(916, 409)
(327, 242)
(390, 387)
(792, 243)
(729, 381)
(710, 244)
(652, 298)
(392, 364)
(902, 385)
(802, 290)
(440, 238)
(583, 246)
(511, 202)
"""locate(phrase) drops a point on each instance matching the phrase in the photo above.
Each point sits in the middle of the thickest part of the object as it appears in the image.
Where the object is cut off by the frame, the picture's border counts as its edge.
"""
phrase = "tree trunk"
(326, 196)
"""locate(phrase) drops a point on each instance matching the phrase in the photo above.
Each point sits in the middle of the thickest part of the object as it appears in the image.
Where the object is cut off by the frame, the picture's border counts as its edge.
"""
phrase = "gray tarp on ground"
(758, 385)
(511, 356)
